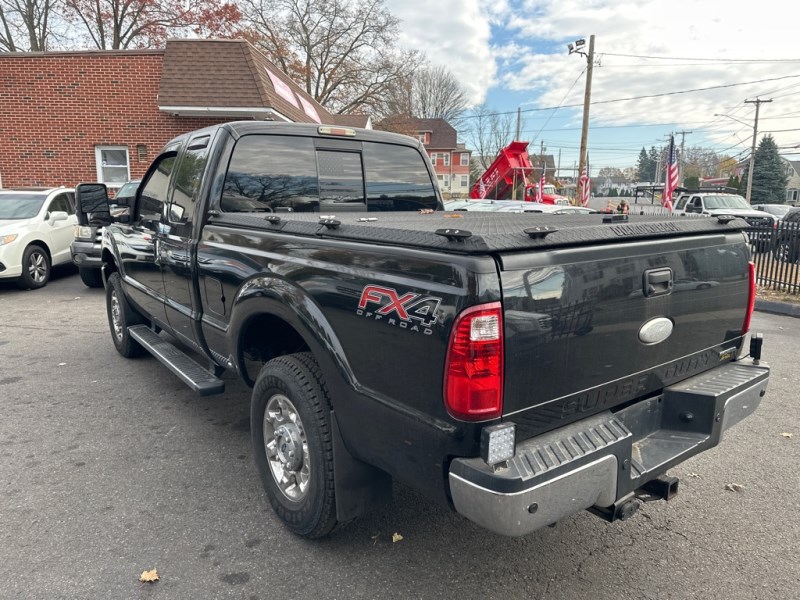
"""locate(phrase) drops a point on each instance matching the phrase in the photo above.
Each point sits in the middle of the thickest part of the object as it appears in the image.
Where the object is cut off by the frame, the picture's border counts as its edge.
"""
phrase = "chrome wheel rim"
(37, 267)
(116, 316)
(286, 446)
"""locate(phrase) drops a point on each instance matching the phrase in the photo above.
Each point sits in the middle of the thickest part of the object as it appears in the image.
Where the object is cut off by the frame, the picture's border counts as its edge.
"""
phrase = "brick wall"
(56, 107)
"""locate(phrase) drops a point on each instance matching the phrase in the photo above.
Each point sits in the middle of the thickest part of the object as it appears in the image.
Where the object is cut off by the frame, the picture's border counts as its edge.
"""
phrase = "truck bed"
(482, 232)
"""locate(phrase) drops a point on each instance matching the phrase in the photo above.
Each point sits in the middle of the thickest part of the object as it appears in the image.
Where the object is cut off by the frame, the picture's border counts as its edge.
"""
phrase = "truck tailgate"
(593, 327)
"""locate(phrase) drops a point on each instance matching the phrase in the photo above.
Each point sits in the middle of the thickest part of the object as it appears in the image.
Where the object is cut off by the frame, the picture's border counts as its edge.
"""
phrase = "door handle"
(657, 282)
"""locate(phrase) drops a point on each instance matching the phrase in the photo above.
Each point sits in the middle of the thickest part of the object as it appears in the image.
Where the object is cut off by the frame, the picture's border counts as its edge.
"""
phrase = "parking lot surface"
(109, 467)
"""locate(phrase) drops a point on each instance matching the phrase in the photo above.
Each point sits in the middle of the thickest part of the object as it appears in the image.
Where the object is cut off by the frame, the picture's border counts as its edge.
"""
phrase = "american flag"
(586, 184)
(540, 188)
(672, 175)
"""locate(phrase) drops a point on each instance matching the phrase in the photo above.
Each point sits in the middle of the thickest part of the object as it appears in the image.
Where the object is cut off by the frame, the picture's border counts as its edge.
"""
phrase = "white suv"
(36, 228)
(720, 203)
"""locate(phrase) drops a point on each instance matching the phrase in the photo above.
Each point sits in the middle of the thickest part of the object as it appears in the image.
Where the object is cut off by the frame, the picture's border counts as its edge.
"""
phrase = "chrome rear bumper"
(599, 460)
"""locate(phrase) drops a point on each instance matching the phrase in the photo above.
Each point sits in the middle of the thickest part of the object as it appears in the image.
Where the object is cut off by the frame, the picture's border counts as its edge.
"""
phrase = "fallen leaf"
(396, 537)
(734, 487)
(149, 576)
(693, 475)
(62, 364)
(786, 434)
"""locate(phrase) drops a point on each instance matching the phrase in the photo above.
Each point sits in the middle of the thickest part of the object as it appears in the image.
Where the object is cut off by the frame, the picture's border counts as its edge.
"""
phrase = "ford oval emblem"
(655, 330)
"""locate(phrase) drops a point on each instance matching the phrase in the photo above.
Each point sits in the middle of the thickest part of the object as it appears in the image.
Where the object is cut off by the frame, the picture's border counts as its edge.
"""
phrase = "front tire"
(122, 315)
(92, 278)
(35, 268)
(785, 252)
(291, 434)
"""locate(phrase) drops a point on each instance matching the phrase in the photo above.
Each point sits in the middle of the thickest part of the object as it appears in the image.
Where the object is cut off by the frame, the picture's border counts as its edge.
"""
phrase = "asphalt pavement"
(110, 467)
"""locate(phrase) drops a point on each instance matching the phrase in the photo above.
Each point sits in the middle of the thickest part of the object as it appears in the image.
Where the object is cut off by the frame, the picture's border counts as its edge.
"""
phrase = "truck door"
(175, 241)
(137, 245)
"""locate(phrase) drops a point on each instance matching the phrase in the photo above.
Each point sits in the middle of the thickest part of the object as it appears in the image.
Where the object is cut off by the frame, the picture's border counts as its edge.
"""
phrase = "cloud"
(455, 34)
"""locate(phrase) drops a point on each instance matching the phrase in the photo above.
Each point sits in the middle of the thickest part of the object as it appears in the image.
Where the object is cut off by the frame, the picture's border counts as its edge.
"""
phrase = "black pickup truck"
(516, 367)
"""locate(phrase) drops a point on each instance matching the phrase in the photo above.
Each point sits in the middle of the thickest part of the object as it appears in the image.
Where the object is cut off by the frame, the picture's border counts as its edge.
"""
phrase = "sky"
(513, 54)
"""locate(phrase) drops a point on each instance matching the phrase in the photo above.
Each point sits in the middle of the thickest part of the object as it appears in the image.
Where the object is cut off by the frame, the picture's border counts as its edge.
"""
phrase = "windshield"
(726, 202)
(128, 190)
(776, 209)
(20, 206)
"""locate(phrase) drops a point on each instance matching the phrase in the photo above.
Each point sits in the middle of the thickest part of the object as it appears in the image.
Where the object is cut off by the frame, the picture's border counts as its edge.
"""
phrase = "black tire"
(92, 278)
(300, 487)
(35, 268)
(122, 315)
(785, 251)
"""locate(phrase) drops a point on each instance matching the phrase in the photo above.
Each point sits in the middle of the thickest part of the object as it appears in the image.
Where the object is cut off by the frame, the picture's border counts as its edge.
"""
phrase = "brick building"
(67, 117)
(450, 159)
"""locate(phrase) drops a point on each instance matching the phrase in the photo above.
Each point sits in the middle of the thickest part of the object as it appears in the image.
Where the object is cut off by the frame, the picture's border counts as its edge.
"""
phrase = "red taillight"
(751, 299)
(473, 374)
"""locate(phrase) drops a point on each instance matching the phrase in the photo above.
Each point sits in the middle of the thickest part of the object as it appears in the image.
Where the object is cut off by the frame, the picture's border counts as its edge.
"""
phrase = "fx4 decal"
(410, 311)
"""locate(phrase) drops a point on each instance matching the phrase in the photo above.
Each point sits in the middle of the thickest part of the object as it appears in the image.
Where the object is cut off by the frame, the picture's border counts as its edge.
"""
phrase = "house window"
(112, 165)
(446, 181)
(464, 179)
(464, 159)
(433, 158)
(446, 157)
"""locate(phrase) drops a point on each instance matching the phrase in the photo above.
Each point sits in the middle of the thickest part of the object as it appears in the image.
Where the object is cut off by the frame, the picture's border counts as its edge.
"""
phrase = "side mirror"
(56, 216)
(92, 202)
(175, 213)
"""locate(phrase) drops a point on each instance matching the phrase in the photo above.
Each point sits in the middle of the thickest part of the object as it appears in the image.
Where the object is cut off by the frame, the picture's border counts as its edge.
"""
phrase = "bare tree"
(342, 52)
(123, 24)
(488, 132)
(432, 93)
(26, 19)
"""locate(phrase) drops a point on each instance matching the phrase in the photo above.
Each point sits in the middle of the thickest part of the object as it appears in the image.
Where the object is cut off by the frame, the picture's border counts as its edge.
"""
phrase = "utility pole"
(758, 103)
(681, 161)
(577, 48)
(516, 137)
(558, 166)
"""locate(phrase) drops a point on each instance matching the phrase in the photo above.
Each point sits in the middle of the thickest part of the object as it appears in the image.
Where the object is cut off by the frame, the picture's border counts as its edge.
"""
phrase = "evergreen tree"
(769, 174)
(691, 182)
(654, 156)
(646, 166)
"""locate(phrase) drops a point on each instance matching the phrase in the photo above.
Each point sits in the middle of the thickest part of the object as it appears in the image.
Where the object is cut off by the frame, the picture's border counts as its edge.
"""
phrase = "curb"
(778, 308)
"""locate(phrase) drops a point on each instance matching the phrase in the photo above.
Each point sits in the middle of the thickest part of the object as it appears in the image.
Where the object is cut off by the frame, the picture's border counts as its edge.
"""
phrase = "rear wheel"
(92, 278)
(35, 268)
(785, 251)
(122, 315)
(291, 434)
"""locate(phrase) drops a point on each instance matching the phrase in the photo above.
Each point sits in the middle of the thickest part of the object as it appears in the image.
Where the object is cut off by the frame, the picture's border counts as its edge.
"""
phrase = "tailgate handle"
(657, 282)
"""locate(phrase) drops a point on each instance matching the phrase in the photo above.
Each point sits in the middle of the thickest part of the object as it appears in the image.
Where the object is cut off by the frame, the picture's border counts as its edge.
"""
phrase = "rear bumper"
(601, 460)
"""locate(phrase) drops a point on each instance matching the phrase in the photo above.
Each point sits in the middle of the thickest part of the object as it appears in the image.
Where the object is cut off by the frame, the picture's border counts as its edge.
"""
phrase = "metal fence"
(776, 252)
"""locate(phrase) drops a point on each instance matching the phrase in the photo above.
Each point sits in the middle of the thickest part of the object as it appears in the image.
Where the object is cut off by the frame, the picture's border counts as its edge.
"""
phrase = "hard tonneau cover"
(487, 232)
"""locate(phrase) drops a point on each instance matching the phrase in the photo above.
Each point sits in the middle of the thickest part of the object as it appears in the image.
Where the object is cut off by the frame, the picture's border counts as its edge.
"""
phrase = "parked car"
(92, 218)
(777, 210)
(787, 237)
(714, 204)
(35, 232)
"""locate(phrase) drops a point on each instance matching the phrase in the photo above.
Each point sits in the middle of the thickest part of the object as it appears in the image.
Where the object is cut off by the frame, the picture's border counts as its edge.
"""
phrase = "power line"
(663, 94)
(722, 60)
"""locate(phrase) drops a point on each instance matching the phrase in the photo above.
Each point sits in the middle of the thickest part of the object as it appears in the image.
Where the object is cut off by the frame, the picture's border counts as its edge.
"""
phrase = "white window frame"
(98, 160)
(464, 159)
(464, 181)
(446, 157)
(433, 158)
(446, 181)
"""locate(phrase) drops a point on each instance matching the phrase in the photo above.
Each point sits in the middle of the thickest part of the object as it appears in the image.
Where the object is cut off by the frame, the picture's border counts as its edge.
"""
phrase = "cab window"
(154, 189)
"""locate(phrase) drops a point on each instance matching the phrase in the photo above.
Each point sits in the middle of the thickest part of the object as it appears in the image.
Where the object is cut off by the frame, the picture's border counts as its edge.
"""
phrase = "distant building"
(793, 185)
